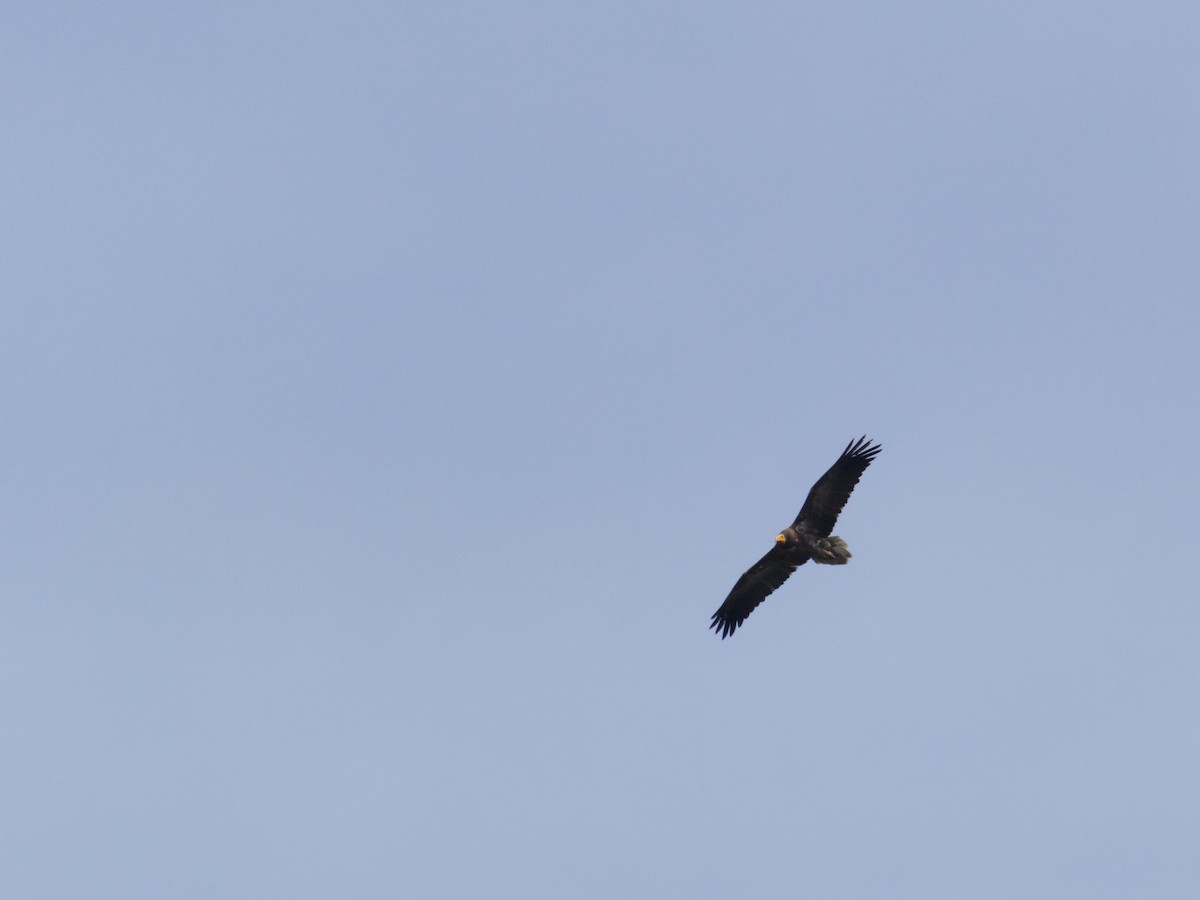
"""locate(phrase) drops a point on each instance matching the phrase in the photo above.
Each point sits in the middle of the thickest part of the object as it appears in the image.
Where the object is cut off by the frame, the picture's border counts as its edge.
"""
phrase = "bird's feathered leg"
(830, 551)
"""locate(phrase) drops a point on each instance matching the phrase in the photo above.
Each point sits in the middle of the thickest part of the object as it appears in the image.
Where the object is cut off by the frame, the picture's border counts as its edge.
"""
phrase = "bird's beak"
(779, 539)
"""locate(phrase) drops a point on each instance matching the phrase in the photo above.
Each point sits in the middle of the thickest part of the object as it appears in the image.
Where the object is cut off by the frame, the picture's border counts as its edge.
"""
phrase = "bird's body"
(809, 537)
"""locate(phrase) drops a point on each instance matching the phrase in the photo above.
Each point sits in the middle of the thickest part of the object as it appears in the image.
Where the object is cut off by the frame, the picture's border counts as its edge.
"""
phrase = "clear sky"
(392, 392)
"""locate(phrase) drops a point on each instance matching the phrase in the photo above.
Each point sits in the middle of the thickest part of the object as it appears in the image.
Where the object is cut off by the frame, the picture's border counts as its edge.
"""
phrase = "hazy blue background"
(391, 392)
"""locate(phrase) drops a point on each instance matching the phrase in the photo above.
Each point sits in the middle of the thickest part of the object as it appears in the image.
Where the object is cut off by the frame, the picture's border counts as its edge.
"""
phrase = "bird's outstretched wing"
(752, 588)
(829, 495)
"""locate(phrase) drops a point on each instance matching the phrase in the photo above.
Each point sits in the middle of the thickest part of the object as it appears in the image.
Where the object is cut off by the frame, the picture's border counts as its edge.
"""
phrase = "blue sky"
(392, 392)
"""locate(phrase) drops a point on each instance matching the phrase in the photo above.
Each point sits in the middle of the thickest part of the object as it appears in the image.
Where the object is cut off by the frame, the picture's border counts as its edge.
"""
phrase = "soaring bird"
(806, 538)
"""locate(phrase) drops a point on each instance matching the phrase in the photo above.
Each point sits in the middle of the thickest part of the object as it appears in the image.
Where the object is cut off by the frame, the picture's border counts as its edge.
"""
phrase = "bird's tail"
(831, 551)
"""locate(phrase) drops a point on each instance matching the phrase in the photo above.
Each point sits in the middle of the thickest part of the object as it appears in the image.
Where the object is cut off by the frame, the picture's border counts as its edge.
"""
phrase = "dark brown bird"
(806, 538)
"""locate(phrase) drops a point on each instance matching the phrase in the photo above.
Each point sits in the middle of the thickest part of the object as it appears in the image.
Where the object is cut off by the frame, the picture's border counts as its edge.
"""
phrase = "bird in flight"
(806, 538)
